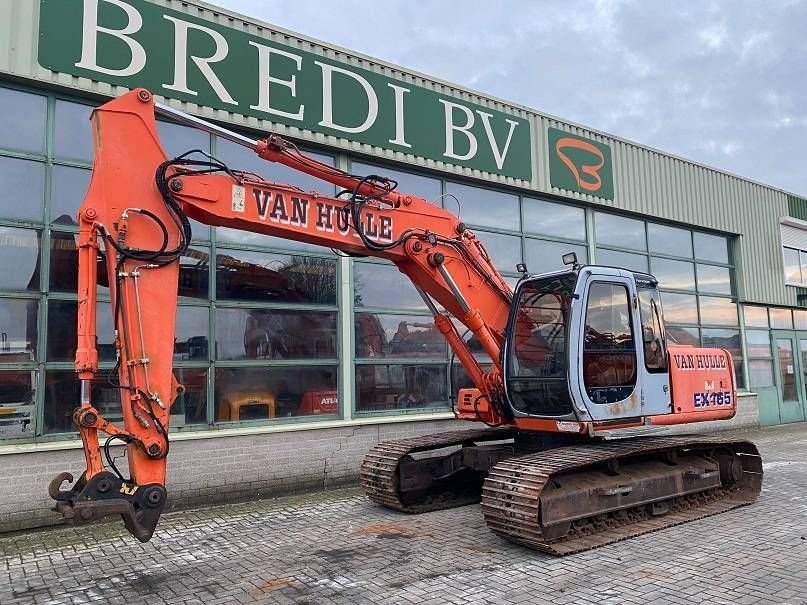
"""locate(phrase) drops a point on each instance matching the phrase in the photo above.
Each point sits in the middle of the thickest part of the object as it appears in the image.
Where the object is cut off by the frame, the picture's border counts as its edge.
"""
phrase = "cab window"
(655, 351)
(609, 350)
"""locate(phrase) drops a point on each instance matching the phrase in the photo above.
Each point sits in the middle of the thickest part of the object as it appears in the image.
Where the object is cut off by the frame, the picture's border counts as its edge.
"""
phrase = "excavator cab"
(587, 344)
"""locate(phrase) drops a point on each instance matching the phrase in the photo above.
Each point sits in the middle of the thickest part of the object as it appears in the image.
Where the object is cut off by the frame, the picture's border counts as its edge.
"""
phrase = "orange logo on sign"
(590, 170)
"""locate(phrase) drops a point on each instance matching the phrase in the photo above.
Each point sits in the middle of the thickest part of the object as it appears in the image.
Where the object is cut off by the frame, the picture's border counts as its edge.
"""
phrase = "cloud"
(720, 82)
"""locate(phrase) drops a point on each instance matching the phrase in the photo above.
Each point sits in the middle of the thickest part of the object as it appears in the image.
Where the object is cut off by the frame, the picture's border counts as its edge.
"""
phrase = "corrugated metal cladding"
(647, 182)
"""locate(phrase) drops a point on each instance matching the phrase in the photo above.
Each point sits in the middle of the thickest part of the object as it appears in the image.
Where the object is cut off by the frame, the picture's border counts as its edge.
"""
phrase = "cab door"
(610, 372)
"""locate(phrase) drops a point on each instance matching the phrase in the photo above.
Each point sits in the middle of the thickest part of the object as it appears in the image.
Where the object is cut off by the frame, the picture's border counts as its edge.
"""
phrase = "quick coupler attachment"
(104, 494)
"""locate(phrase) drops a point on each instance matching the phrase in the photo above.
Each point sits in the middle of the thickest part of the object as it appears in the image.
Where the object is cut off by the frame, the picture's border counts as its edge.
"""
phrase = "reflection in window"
(484, 207)
(177, 139)
(556, 220)
(19, 251)
(63, 275)
(669, 240)
(609, 351)
(17, 403)
(542, 256)
(404, 336)
(422, 186)
(194, 273)
(683, 336)
(26, 131)
(760, 373)
(715, 280)
(68, 187)
(377, 285)
(504, 250)
(382, 387)
(619, 231)
(72, 133)
(781, 319)
(799, 319)
(63, 335)
(18, 330)
(62, 391)
(755, 317)
(758, 343)
(673, 274)
(718, 311)
(23, 188)
(712, 248)
(622, 260)
(275, 334)
(264, 393)
(190, 341)
(267, 277)
(680, 308)
(190, 407)
(792, 266)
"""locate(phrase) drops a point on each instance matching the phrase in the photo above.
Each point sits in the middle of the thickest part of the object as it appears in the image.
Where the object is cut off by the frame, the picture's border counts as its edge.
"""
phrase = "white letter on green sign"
(89, 39)
(327, 99)
(265, 79)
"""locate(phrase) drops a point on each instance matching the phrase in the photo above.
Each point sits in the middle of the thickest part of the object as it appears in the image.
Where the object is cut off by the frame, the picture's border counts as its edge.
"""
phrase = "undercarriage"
(565, 495)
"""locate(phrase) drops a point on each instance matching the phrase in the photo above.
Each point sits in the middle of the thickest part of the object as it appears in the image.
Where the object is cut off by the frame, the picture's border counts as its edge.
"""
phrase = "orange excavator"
(576, 355)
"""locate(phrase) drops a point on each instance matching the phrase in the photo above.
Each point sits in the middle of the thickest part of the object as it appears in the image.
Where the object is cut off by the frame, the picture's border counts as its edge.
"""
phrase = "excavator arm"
(135, 217)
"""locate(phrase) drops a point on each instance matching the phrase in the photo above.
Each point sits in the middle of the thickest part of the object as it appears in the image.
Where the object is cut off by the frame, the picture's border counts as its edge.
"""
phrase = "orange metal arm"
(128, 209)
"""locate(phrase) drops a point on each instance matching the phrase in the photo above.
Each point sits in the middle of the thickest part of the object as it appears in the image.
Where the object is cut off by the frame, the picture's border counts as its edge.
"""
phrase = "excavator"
(576, 356)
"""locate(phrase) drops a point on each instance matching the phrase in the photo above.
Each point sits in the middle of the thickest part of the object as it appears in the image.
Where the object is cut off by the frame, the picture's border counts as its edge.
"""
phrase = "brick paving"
(335, 547)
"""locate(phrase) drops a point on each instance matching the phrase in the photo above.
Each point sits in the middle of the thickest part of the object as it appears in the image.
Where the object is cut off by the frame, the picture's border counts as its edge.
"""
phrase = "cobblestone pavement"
(335, 547)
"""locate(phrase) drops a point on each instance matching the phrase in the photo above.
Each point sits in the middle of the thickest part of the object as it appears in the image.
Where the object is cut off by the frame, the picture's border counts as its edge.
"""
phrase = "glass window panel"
(62, 391)
(190, 407)
(755, 317)
(22, 183)
(669, 240)
(679, 308)
(63, 335)
(787, 373)
(19, 251)
(712, 248)
(557, 220)
(417, 184)
(760, 373)
(800, 319)
(265, 393)
(484, 206)
(64, 264)
(282, 278)
(382, 387)
(17, 389)
(68, 187)
(758, 343)
(792, 266)
(781, 319)
(623, 260)
(715, 280)
(26, 131)
(177, 139)
(620, 231)
(194, 273)
(72, 134)
(382, 335)
(505, 250)
(543, 256)
(190, 341)
(683, 336)
(226, 235)
(18, 330)
(718, 311)
(673, 274)
(377, 285)
(729, 340)
(460, 378)
(275, 334)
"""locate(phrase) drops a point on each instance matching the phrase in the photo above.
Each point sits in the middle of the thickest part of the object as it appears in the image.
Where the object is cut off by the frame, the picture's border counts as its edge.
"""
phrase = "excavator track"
(381, 472)
(570, 499)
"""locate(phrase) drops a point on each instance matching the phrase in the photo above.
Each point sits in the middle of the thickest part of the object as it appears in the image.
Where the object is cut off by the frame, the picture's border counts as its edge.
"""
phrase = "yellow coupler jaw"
(106, 494)
(571, 499)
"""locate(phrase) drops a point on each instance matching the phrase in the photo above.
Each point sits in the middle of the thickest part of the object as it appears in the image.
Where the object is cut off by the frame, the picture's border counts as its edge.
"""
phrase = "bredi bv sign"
(136, 43)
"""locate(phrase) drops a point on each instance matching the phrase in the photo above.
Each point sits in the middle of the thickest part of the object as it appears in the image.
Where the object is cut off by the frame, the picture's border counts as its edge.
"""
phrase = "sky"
(723, 83)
